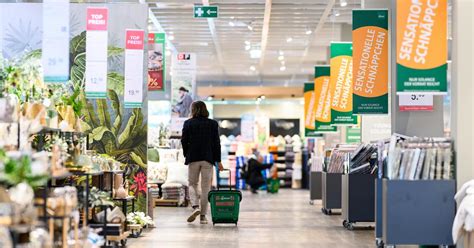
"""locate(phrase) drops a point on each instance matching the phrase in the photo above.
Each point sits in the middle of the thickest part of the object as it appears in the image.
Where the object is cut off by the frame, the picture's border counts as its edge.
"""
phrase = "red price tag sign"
(97, 19)
(135, 39)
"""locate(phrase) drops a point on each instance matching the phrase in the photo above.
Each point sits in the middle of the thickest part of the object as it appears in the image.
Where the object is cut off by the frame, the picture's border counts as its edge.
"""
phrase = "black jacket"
(254, 173)
(200, 140)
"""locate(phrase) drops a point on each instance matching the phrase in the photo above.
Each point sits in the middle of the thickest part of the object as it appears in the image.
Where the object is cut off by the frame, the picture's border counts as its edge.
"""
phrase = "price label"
(134, 70)
(415, 102)
(96, 80)
(96, 53)
(55, 46)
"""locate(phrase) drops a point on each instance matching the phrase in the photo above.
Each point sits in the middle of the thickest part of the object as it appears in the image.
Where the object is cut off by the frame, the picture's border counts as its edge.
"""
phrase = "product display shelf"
(305, 170)
(331, 192)
(378, 212)
(315, 186)
(88, 175)
(124, 202)
(358, 197)
(280, 159)
(418, 212)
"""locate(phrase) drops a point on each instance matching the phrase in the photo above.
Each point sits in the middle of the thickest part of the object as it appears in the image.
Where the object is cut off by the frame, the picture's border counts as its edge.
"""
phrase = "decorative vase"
(121, 193)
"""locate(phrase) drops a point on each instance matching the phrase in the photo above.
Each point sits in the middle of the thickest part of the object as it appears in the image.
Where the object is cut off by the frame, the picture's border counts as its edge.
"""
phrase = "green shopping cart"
(225, 204)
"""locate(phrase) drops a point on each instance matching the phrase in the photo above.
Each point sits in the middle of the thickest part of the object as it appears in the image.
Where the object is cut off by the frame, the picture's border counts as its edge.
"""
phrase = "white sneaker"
(193, 216)
(203, 220)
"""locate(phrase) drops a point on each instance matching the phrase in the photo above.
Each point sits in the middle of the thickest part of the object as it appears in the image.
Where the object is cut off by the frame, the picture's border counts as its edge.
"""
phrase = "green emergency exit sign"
(201, 11)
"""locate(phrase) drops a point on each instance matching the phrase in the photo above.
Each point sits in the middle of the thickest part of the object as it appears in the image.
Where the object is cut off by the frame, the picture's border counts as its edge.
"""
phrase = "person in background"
(253, 172)
(183, 105)
(202, 149)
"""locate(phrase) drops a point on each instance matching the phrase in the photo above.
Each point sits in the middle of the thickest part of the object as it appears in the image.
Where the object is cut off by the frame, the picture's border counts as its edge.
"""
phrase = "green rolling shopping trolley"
(225, 204)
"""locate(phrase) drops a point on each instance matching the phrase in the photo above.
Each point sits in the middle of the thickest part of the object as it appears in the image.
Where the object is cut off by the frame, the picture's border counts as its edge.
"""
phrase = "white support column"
(462, 107)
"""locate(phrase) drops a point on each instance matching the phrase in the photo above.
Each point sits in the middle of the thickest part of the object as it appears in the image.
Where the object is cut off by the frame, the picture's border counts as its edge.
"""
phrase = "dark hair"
(199, 109)
(183, 89)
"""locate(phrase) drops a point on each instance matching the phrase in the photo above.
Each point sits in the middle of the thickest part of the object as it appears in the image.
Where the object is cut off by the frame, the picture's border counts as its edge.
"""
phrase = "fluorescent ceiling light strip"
(265, 29)
(316, 31)
(160, 29)
(215, 39)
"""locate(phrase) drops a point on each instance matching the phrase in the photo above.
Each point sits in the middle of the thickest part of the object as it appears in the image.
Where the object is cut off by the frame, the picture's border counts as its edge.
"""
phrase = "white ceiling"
(220, 47)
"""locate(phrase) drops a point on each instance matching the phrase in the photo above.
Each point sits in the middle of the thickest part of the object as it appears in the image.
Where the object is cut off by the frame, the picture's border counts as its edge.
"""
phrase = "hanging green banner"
(370, 54)
(422, 46)
(323, 99)
(341, 86)
(353, 135)
(309, 110)
(156, 61)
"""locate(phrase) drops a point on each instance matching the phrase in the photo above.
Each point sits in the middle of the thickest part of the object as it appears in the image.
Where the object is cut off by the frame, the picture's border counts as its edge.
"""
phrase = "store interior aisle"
(282, 220)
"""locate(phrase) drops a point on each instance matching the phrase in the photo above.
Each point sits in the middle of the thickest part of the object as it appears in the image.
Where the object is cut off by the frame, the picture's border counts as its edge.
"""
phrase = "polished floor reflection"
(282, 220)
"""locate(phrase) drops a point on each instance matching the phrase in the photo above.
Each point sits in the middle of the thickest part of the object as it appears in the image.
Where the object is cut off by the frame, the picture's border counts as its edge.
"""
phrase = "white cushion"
(157, 172)
(177, 173)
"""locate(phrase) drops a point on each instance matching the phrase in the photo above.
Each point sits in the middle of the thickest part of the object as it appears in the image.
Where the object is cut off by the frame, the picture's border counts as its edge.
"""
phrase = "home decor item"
(121, 193)
(9, 108)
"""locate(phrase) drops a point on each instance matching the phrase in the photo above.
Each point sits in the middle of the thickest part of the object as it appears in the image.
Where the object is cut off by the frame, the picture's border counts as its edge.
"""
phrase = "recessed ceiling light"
(283, 68)
(250, 27)
(336, 13)
(343, 3)
(289, 39)
(252, 68)
(232, 17)
(281, 52)
(231, 23)
(247, 47)
(247, 42)
(171, 37)
(255, 53)
(308, 32)
(281, 57)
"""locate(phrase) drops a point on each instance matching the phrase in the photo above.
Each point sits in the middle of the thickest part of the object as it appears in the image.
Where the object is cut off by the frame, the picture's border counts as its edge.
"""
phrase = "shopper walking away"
(202, 149)
(253, 173)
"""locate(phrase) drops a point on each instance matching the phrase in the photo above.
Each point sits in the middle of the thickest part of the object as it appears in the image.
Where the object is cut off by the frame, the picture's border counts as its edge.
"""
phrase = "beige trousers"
(205, 170)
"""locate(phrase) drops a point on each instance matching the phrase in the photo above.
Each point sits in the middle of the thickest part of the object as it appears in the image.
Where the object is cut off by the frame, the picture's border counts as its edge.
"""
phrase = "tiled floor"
(282, 220)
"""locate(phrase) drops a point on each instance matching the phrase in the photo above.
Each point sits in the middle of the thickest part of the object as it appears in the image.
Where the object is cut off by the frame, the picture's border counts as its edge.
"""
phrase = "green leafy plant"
(139, 218)
(99, 198)
(19, 170)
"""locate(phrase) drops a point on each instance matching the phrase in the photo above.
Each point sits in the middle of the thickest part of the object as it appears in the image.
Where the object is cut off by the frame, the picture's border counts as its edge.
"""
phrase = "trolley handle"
(229, 186)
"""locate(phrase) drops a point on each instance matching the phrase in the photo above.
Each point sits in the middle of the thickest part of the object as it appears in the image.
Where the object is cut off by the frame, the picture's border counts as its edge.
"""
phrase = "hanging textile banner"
(156, 61)
(353, 135)
(323, 99)
(309, 109)
(370, 54)
(96, 53)
(183, 82)
(55, 50)
(340, 87)
(422, 46)
(134, 45)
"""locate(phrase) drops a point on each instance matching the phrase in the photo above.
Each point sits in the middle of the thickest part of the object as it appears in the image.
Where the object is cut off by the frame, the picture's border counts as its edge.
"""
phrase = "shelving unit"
(414, 220)
(284, 171)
